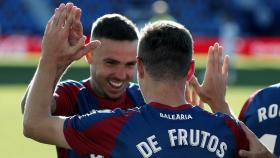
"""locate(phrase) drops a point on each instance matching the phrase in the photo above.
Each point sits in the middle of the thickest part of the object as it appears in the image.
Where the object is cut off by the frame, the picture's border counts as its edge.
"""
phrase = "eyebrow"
(131, 62)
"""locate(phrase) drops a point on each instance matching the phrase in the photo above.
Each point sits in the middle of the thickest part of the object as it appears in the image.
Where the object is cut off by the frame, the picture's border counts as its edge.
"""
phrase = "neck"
(170, 93)
(93, 85)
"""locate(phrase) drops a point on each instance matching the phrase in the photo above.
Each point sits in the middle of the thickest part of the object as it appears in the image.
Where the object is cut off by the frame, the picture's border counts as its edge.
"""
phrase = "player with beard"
(112, 67)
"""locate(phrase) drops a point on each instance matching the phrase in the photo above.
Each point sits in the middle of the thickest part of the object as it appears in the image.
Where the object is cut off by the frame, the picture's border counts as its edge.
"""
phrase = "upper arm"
(63, 95)
(49, 131)
(23, 102)
(55, 134)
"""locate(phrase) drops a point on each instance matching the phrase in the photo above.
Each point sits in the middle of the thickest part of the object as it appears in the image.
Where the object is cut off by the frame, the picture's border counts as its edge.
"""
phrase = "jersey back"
(261, 113)
(162, 132)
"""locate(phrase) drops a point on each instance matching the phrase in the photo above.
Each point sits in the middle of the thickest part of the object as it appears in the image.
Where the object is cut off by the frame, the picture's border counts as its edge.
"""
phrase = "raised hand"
(56, 47)
(257, 149)
(213, 89)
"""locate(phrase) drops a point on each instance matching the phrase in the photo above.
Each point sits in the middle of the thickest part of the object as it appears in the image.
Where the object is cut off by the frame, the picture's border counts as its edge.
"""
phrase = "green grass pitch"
(14, 145)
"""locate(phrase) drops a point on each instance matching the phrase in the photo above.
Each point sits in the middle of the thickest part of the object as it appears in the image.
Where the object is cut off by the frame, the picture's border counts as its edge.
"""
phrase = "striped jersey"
(155, 131)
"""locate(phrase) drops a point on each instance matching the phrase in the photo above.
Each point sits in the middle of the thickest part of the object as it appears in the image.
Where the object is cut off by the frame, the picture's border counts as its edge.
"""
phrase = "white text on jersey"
(271, 112)
(176, 116)
(184, 137)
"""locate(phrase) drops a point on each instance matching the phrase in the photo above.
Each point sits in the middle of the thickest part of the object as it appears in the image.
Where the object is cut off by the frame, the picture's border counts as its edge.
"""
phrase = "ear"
(191, 70)
(140, 67)
(89, 57)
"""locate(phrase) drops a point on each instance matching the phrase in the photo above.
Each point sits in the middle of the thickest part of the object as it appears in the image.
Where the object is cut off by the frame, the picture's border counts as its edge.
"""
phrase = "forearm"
(39, 97)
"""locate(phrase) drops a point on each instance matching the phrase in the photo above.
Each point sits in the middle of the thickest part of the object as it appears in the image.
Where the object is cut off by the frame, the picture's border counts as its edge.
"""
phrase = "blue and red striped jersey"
(155, 130)
(78, 98)
(261, 113)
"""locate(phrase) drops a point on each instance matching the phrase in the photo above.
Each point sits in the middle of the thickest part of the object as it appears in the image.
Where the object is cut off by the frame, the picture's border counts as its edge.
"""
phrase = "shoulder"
(234, 126)
(230, 121)
(270, 90)
(71, 83)
(262, 97)
(70, 86)
(218, 117)
(265, 95)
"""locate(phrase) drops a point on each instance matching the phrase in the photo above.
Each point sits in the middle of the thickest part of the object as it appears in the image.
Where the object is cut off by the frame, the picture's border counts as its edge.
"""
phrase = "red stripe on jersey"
(99, 138)
(66, 99)
(238, 133)
(246, 106)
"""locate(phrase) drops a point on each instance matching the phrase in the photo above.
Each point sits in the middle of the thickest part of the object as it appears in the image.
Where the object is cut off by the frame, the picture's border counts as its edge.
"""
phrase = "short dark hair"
(115, 27)
(166, 49)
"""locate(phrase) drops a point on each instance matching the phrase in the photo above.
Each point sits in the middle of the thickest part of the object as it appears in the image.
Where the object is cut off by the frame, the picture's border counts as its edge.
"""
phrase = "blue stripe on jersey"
(86, 102)
(135, 95)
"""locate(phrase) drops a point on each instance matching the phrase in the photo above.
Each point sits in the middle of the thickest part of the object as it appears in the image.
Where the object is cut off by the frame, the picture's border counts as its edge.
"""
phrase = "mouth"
(116, 84)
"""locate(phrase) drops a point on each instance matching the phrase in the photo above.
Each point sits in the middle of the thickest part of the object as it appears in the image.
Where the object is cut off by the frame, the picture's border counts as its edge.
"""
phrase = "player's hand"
(192, 97)
(56, 48)
(213, 89)
(76, 30)
(257, 149)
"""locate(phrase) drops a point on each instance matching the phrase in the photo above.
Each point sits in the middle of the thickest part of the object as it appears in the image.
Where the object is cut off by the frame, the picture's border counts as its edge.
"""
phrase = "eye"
(111, 62)
(131, 64)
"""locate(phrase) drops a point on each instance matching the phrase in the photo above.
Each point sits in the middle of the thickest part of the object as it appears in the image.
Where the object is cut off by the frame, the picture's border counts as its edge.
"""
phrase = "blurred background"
(248, 30)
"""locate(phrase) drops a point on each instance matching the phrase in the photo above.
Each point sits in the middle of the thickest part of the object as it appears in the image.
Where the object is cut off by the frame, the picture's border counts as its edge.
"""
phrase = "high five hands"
(63, 41)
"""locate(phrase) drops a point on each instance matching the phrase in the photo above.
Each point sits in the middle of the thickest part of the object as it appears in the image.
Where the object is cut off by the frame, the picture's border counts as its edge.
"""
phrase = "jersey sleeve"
(65, 97)
(95, 133)
(240, 138)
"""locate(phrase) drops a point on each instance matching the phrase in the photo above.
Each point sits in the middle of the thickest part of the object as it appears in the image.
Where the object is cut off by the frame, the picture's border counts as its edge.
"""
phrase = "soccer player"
(112, 67)
(261, 113)
(166, 127)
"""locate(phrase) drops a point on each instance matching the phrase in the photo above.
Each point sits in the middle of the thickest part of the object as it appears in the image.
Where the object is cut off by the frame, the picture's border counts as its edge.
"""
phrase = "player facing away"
(261, 113)
(112, 67)
(165, 127)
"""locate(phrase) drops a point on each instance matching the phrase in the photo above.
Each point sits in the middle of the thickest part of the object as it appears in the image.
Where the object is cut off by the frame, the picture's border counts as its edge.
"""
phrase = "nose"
(121, 73)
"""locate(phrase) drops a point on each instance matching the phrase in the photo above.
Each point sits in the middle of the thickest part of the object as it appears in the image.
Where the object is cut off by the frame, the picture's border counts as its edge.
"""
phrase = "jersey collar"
(167, 107)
